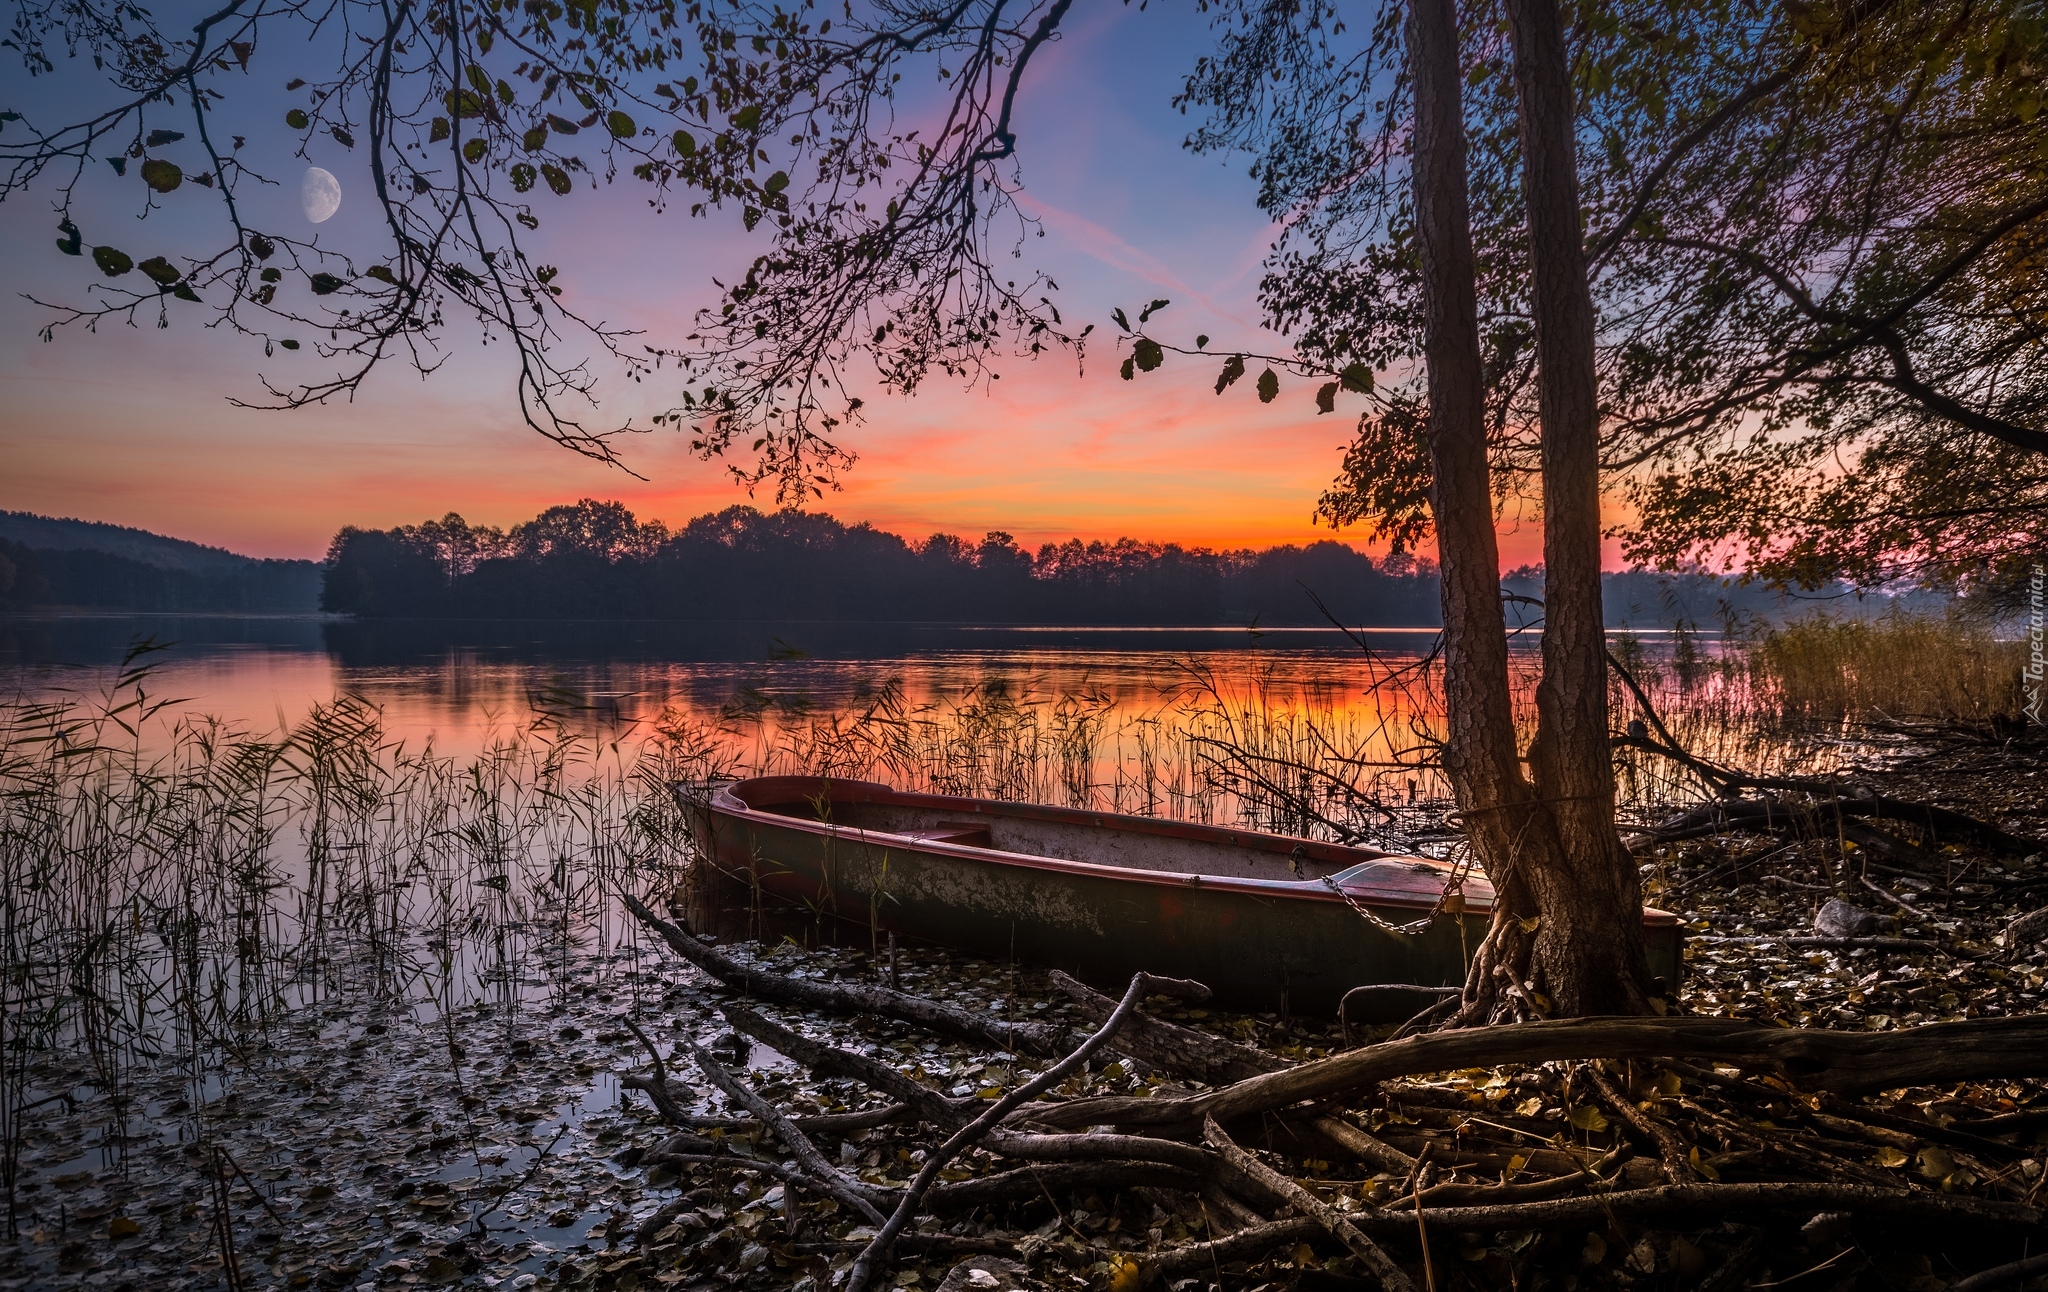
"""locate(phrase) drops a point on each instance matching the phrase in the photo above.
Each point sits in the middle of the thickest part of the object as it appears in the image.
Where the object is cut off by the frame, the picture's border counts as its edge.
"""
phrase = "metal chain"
(1453, 887)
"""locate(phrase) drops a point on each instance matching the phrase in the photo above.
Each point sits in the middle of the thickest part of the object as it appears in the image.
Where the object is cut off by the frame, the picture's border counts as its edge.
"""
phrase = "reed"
(1899, 666)
(174, 889)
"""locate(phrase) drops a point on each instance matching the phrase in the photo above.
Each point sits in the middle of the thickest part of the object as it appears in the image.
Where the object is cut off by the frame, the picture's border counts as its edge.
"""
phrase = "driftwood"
(1829, 813)
(829, 1060)
(1285, 1192)
(877, 1250)
(1184, 1050)
(1169, 1146)
(853, 998)
(822, 1173)
(2002, 1276)
(1677, 1168)
(1692, 1201)
(1830, 944)
(1843, 1062)
(1245, 1243)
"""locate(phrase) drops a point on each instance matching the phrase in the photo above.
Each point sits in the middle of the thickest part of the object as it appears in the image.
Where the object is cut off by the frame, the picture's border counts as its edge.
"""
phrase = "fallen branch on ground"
(1844, 1062)
(855, 998)
(1283, 1191)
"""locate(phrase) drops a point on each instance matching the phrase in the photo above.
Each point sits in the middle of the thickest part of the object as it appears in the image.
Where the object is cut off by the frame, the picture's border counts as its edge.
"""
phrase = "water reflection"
(457, 681)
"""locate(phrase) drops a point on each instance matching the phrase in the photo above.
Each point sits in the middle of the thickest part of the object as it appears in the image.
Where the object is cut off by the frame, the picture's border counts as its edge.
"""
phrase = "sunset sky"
(135, 426)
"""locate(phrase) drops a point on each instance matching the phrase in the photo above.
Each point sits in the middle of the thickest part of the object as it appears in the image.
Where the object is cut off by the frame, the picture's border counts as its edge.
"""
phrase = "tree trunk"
(1589, 947)
(1567, 934)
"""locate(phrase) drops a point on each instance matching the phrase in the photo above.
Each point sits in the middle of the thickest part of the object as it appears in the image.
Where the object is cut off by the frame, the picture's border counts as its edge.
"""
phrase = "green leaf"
(326, 284)
(161, 175)
(1201, 341)
(289, 344)
(113, 263)
(70, 244)
(1152, 309)
(272, 275)
(1121, 321)
(1128, 370)
(1233, 368)
(1357, 378)
(777, 182)
(1269, 386)
(439, 131)
(382, 273)
(160, 271)
(523, 176)
(1326, 397)
(183, 291)
(158, 138)
(535, 139)
(562, 125)
(297, 119)
(342, 137)
(261, 247)
(748, 117)
(557, 178)
(682, 143)
(1148, 354)
(473, 150)
(620, 125)
(120, 165)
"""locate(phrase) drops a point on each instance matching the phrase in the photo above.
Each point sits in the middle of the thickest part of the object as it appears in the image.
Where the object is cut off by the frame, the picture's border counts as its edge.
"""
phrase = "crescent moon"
(320, 194)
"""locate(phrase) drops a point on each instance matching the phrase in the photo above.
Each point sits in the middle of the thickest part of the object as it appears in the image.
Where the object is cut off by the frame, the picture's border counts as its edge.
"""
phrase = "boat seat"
(966, 834)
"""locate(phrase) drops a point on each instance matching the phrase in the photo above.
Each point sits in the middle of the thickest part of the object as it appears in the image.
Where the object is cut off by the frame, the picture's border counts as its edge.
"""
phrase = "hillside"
(48, 562)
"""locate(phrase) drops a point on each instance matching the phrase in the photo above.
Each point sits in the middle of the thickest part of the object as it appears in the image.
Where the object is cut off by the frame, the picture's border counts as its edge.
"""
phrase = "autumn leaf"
(1269, 386)
(1233, 368)
(1589, 1119)
(1326, 398)
(112, 262)
(161, 175)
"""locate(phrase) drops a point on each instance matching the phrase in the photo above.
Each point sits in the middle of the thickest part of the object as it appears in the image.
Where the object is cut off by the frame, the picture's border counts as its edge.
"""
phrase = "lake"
(1166, 720)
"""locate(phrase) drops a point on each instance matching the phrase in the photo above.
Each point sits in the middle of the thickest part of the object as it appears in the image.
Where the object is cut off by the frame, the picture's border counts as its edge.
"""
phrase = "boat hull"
(1260, 943)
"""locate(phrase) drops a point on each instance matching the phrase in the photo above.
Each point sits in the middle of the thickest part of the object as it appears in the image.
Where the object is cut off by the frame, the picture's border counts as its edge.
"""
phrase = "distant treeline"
(596, 560)
(40, 577)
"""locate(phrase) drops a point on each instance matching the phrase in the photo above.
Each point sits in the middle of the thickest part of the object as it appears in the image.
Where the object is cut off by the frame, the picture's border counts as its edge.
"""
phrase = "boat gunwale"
(724, 800)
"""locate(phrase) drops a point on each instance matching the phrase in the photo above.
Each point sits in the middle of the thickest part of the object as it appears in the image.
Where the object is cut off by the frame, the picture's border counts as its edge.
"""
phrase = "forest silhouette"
(597, 560)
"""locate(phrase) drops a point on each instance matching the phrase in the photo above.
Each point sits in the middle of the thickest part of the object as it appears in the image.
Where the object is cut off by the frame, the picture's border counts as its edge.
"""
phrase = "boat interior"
(1212, 851)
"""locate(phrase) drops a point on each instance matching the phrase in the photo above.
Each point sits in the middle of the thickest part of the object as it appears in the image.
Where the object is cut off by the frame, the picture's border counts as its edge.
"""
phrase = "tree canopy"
(1812, 230)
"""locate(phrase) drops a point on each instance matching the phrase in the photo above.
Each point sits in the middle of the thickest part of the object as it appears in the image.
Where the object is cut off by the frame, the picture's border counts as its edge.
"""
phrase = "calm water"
(457, 681)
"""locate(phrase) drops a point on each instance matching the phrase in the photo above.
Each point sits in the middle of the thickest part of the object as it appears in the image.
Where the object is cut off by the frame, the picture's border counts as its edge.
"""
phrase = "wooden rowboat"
(1267, 922)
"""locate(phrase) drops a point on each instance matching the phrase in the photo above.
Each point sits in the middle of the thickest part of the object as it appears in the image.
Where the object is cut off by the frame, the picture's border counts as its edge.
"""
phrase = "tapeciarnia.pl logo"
(2037, 663)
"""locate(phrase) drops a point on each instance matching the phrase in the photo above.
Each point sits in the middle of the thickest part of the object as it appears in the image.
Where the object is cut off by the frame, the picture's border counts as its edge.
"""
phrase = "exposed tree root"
(1443, 1169)
(1840, 1061)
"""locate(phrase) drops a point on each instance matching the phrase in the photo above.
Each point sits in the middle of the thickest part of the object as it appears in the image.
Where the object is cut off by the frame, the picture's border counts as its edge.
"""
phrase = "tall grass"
(171, 887)
(1899, 666)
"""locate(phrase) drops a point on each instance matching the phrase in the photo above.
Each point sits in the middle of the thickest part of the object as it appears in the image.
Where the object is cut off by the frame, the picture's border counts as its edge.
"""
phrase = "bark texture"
(1586, 953)
(1567, 935)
